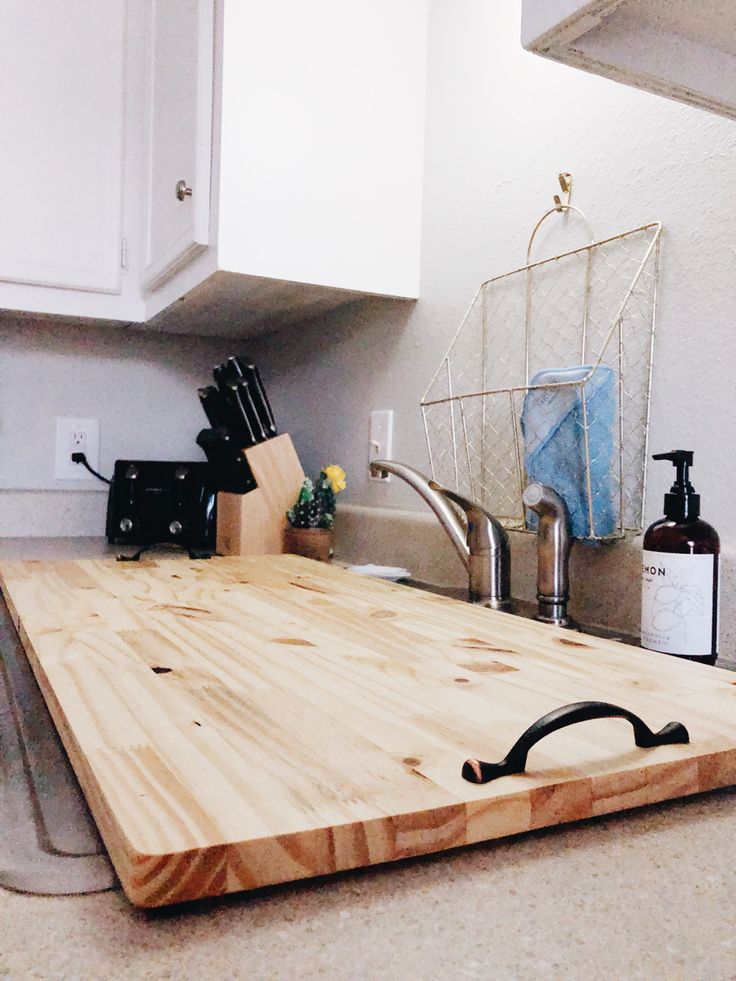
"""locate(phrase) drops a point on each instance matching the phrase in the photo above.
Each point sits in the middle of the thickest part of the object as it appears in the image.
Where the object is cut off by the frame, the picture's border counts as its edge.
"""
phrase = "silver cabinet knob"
(182, 191)
(126, 525)
(175, 527)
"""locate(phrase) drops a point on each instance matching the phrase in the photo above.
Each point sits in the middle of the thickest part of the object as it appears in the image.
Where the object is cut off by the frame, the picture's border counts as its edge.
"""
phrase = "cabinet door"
(179, 135)
(322, 142)
(61, 126)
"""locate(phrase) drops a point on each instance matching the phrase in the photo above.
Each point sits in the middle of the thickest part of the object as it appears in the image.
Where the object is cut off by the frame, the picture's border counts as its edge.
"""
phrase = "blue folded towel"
(554, 444)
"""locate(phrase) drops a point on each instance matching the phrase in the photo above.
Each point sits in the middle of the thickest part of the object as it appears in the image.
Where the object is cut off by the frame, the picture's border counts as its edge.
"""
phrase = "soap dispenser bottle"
(680, 574)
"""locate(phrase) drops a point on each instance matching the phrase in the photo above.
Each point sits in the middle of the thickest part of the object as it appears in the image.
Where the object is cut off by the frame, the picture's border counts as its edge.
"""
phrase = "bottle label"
(679, 603)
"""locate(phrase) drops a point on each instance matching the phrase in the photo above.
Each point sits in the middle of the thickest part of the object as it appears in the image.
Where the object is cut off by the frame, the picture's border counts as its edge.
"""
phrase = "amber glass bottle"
(680, 574)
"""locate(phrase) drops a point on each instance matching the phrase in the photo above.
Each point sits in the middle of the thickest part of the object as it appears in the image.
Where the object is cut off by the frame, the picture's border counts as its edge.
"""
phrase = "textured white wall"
(142, 388)
(501, 123)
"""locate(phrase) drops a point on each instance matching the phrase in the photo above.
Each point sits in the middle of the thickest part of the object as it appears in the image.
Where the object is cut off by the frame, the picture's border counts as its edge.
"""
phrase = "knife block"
(254, 523)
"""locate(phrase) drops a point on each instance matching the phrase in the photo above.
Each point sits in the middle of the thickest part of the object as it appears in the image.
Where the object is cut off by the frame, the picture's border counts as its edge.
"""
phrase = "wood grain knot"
(462, 681)
(160, 670)
(487, 667)
(192, 612)
(383, 614)
(411, 761)
(294, 642)
(475, 644)
(573, 643)
(310, 587)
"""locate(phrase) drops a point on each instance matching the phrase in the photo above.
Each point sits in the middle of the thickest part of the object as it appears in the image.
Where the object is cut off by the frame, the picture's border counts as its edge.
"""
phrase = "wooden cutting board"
(245, 721)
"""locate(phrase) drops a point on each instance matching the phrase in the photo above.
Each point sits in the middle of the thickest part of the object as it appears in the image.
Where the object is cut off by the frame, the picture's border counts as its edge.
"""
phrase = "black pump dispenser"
(681, 573)
(682, 503)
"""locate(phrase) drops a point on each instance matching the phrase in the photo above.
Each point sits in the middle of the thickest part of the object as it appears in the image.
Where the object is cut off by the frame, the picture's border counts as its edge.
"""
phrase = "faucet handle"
(466, 504)
(484, 530)
(488, 546)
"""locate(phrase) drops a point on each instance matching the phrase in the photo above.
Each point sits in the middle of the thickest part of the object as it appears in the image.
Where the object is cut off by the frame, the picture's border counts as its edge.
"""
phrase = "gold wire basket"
(548, 378)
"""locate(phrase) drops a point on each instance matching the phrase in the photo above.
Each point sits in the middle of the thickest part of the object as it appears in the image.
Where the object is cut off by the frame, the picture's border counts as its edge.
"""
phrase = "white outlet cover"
(87, 431)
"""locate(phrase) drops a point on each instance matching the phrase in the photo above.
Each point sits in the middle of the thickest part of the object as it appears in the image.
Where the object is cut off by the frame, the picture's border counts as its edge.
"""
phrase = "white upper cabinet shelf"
(681, 49)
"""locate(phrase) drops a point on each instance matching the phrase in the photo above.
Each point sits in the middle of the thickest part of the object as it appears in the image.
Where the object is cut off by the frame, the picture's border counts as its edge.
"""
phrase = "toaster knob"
(126, 525)
(175, 527)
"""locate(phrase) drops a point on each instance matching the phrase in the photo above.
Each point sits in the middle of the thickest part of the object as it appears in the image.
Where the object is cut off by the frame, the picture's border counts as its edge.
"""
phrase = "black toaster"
(155, 502)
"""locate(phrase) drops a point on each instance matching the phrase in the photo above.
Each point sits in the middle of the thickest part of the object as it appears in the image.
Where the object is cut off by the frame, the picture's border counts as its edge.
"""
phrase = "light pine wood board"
(310, 720)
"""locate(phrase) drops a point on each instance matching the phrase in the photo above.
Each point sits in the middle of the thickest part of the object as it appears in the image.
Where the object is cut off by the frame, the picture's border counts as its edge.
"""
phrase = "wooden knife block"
(254, 523)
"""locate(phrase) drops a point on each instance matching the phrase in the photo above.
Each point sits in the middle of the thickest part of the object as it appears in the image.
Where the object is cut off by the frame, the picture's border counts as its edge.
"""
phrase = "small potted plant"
(311, 518)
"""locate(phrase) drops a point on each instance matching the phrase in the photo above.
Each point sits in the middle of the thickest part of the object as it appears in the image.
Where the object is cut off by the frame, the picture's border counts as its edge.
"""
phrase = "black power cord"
(82, 458)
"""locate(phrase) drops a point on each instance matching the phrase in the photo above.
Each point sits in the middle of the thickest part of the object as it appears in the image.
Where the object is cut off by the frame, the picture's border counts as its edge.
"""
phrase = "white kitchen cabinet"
(178, 134)
(317, 164)
(322, 133)
(298, 128)
(61, 121)
(676, 48)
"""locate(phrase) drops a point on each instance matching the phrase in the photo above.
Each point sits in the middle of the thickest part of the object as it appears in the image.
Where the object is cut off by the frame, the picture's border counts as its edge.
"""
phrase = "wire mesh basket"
(548, 378)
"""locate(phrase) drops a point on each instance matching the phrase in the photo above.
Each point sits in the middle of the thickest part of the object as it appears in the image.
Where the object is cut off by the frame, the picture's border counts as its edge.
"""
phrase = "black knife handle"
(248, 426)
(249, 407)
(477, 771)
(230, 468)
(248, 370)
(249, 433)
(236, 419)
(213, 407)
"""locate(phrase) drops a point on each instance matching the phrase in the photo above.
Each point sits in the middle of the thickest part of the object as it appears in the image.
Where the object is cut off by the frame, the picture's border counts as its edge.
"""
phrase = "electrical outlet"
(380, 440)
(76, 436)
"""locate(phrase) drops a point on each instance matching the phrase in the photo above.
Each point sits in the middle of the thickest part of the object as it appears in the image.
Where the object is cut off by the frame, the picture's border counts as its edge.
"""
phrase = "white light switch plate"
(380, 440)
(75, 435)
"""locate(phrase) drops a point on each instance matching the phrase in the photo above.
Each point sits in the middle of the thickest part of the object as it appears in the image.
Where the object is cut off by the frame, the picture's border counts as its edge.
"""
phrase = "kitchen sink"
(528, 610)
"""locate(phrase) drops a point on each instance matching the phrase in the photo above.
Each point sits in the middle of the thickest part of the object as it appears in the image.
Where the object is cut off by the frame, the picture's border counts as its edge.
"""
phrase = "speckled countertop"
(648, 894)
(644, 895)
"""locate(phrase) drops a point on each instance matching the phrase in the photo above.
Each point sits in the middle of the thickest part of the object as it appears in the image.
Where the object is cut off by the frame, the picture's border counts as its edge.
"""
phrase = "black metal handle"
(476, 771)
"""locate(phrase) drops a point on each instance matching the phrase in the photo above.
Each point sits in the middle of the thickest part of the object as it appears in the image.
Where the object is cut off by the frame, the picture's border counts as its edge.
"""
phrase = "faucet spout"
(482, 546)
(554, 542)
(422, 485)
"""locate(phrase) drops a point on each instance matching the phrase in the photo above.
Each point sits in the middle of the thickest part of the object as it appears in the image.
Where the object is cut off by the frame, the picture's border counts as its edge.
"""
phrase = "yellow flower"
(336, 477)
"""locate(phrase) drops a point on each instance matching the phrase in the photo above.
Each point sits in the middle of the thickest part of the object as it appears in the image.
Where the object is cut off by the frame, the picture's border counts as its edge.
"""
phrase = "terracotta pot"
(313, 543)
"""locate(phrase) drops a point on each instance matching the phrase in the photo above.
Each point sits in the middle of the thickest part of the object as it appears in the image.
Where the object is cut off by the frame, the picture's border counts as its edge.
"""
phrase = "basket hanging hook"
(565, 180)
(562, 206)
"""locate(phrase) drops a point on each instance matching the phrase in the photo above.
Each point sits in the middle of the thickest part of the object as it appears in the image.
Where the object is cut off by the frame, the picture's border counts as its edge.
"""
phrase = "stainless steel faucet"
(554, 542)
(483, 545)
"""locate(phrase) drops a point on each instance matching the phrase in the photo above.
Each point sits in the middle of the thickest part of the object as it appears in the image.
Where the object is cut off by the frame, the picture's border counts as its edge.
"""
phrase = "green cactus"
(315, 506)
(324, 494)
